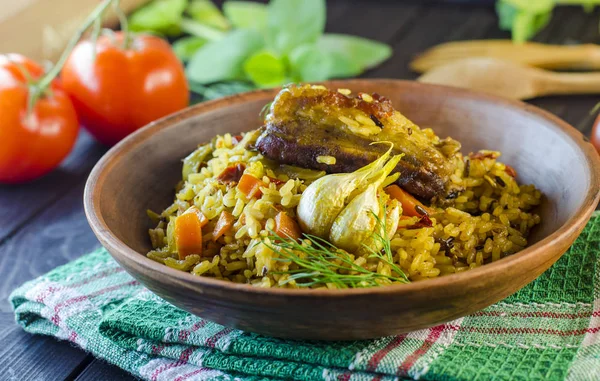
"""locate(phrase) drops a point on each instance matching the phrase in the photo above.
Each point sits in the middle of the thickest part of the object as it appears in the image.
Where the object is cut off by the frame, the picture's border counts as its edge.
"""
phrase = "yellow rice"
(488, 221)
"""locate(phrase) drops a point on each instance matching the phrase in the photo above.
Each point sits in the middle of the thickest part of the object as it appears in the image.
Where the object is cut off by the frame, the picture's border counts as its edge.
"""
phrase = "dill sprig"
(321, 263)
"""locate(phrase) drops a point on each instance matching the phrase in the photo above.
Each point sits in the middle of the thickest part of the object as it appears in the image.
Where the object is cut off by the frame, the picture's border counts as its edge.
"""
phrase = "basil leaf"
(198, 29)
(160, 16)
(265, 69)
(185, 47)
(343, 66)
(310, 64)
(206, 12)
(246, 14)
(291, 23)
(352, 54)
(221, 89)
(223, 59)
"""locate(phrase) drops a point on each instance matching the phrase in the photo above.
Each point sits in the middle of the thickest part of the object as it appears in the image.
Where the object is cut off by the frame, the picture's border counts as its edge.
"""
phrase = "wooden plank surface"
(43, 224)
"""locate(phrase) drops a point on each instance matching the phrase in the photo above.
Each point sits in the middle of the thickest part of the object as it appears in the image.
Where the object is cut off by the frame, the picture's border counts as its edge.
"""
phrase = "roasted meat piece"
(308, 126)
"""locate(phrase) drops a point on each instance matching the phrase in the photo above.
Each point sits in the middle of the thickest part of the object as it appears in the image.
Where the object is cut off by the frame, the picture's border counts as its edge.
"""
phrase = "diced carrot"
(233, 173)
(287, 227)
(188, 235)
(250, 186)
(510, 171)
(197, 212)
(410, 205)
(224, 223)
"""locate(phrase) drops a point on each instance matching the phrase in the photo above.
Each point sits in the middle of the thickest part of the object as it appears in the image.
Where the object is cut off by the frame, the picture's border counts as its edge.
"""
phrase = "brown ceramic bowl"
(141, 172)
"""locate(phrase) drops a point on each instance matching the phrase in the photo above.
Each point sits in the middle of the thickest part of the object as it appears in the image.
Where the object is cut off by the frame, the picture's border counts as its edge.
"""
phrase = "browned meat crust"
(307, 122)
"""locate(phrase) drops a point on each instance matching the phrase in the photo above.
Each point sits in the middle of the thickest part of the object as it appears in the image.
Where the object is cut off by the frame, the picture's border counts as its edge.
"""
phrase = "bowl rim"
(119, 249)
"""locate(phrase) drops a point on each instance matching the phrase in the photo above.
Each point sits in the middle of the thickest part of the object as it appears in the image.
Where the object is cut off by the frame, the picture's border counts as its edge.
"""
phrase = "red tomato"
(32, 145)
(121, 90)
(595, 139)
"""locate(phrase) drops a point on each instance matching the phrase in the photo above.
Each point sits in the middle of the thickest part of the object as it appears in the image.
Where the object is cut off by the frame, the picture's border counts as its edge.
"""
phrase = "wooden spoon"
(511, 80)
(585, 56)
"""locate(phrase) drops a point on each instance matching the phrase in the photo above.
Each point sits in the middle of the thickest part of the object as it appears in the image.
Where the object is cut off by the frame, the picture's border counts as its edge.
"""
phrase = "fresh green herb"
(224, 60)
(220, 90)
(525, 18)
(206, 12)
(321, 263)
(310, 63)
(246, 14)
(291, 23)
(265, 69)
(271, 44)
(160, 16)
(353, 54)
(185, 47)
(169, 18)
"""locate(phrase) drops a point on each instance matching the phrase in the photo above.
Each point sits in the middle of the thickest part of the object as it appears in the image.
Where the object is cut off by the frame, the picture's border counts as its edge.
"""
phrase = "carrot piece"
(224, 223)
(250, 186)
(197, 212)
(410, 205)
(287, 227)
(188, 235)
(233, 173)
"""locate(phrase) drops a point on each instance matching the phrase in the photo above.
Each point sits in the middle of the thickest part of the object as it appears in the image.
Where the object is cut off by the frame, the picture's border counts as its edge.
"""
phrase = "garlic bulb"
(391, 215)
(325, 198)
(356, 223)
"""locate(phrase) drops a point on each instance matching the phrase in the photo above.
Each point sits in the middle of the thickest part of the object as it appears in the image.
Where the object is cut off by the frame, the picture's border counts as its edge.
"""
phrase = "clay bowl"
(141, 172)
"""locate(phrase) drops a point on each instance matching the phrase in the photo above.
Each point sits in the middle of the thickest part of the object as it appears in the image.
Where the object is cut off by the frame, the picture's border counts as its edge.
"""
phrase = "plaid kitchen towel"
(549, 330)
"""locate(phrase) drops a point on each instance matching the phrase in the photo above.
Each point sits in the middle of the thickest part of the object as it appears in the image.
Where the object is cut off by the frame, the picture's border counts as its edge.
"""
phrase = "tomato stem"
(42, 85)
(124, 24)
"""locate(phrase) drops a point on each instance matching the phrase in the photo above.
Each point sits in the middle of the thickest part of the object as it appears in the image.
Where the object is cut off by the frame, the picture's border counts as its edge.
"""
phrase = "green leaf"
(291, 23)
(223, 60)
(526, 25)
(506, 15)
(246, 14)
(523, 17)
(206, 12)
(199, 29)
(353, 54)
(160, 16)
(185, 47)
(533, 6)
(222, 89)
(310, 64)
(265, 69)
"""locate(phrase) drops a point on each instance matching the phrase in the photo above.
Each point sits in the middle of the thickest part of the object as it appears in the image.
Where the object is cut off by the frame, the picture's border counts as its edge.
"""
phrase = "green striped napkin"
(550, 330)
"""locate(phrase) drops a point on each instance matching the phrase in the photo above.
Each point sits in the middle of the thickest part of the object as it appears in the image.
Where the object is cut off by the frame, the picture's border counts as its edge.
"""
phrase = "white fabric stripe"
(422, 365)
(592, 338)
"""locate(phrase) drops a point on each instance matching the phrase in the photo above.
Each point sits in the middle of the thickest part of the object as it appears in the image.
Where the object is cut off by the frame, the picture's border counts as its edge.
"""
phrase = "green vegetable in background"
(525, 18)
(353, 52)
(206, 12)
(200, 18)
(269, 46)
(291, 23)
(246, 14)
(185, 47)
(159, 16)
(310, 63)
(224, 59)
(265, 69)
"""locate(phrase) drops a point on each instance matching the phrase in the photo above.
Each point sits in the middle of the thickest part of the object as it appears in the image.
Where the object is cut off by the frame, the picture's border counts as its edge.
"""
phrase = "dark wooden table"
(42, 224)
